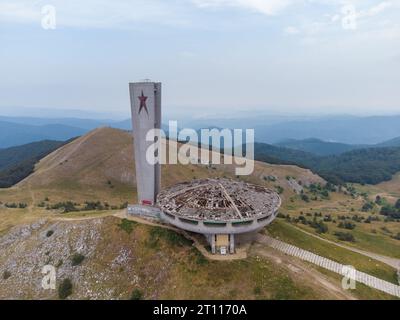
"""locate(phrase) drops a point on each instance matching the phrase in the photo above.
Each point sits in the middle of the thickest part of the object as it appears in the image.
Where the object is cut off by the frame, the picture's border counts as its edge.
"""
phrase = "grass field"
(376, 236)
(99, 167)
(288, 233)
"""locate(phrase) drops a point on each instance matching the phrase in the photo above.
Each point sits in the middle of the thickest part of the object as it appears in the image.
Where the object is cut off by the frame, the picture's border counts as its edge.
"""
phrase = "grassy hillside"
(99, 167)
(124, 257)
(339, 212)
(119, 259)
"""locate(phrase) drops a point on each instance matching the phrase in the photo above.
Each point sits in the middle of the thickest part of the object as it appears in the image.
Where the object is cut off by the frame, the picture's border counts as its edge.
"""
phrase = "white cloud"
(18, 12)
(378, 8)
(90, 13)
(268, 7)
(291, 30)
(128, 13)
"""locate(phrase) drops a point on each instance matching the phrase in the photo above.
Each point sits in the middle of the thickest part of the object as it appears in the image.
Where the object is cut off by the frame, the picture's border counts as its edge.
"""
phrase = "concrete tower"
(146, 115)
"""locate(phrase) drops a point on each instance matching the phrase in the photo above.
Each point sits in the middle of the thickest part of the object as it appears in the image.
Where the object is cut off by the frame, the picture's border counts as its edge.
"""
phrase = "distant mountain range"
(12, 134)
(338, 134)
(317, 146)
(324, 148)
(21, 130)
(347, 130)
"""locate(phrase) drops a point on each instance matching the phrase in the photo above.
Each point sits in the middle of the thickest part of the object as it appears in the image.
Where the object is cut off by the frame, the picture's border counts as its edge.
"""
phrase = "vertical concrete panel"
(146, 115)
(232, 243)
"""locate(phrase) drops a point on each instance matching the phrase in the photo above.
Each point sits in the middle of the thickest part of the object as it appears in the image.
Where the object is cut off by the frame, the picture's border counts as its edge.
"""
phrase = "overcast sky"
(212, 56)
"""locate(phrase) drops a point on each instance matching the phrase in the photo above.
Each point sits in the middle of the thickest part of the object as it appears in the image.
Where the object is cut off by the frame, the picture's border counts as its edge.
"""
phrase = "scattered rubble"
(218, 199)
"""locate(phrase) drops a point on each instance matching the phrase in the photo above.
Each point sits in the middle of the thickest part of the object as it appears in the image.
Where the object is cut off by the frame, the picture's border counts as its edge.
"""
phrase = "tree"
(136, 294)
(65, 289)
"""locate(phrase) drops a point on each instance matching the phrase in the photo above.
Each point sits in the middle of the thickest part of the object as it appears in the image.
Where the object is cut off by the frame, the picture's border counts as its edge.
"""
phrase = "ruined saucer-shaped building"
(225, 211)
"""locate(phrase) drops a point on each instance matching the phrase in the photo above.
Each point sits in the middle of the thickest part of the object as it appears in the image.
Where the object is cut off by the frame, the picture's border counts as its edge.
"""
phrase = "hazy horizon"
(49, 113)
(214, 57)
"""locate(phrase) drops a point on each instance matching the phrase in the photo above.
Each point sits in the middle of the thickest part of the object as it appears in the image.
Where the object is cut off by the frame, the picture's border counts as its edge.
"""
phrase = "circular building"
(225, 211)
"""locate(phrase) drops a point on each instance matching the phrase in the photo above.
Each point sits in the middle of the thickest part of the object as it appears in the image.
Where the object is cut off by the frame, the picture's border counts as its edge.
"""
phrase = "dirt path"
(32, 194)
(69, 151)
(393, 262)
(301, 271)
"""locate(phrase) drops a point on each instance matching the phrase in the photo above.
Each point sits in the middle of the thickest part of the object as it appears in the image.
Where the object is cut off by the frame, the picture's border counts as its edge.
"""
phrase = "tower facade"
(146, 115)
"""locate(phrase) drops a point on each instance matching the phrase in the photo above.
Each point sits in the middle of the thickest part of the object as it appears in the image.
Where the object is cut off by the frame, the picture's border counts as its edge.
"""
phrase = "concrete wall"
(146, 115)
(229, 227)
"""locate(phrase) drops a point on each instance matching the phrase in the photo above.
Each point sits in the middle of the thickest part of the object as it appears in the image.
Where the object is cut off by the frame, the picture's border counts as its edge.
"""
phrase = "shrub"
(93, 205)
(279, 189)
(378, 200)
(257, 290)
(357, 218)
(49, 233)
(198, 257)
(302, 219)
(173, 238)
(319, 226)
(390, 212)
(305, 198)
(77, 259)
(367, 206)
(67, 206)
(6, 274)
(345, 236)
(347, 225)
(127, 225)
(65, 289)
(136, 294)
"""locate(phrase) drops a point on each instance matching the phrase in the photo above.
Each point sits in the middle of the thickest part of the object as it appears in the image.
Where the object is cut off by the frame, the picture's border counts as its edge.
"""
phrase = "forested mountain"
(16, 163)
(370, 165)
(318, 147)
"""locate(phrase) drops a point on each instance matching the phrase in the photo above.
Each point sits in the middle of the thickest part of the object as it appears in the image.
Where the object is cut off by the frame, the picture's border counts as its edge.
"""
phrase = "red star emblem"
(143, 99)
